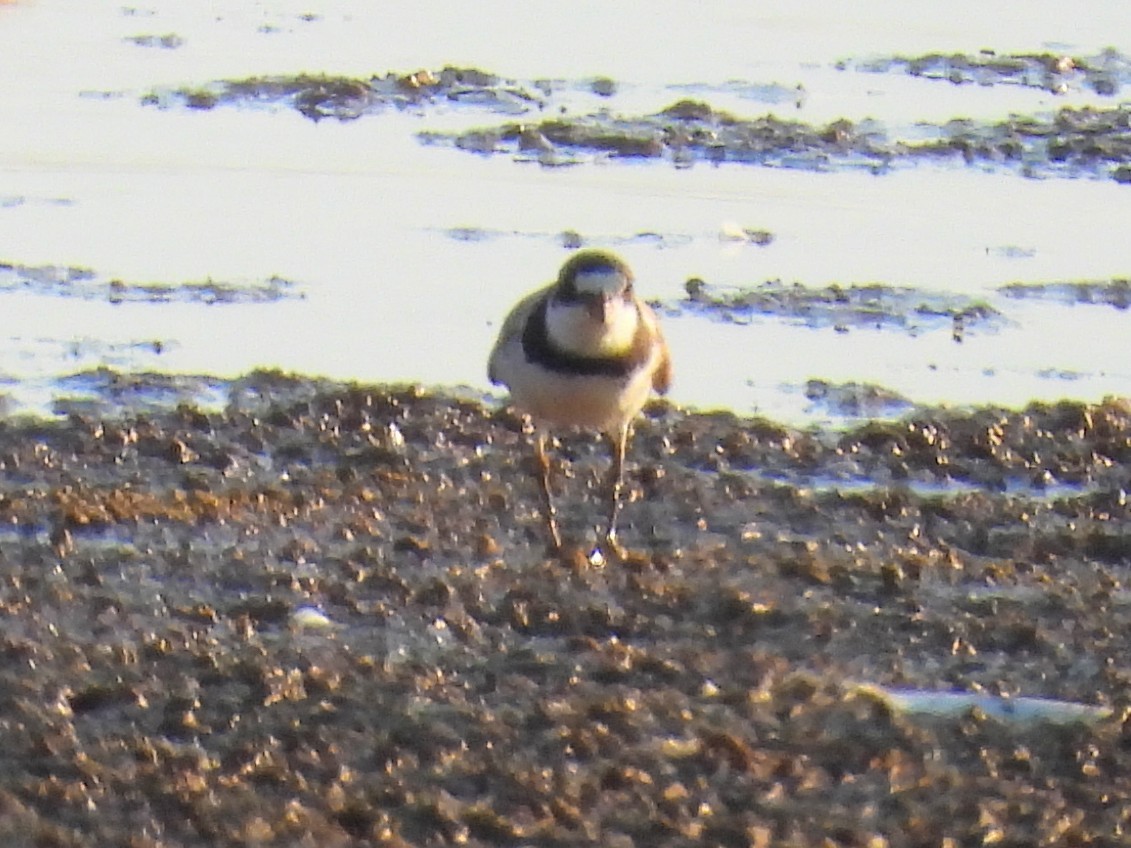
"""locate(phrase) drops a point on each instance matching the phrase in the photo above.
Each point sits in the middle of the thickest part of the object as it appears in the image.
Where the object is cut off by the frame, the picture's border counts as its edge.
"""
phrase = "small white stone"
(310, 618)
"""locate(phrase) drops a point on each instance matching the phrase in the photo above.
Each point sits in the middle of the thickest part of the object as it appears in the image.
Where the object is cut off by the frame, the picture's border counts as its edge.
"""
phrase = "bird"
(585, 352)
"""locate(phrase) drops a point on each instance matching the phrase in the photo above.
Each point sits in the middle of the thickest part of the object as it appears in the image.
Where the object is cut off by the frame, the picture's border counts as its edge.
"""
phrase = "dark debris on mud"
(1106, 73)
(320, 96)
(167, 41)
(468, 689)
(86, 284)
(685, 132)
(1073, 142)
(1085, 141)
(853, 400)
(858, 306)
(572, 239)
(1115, 293)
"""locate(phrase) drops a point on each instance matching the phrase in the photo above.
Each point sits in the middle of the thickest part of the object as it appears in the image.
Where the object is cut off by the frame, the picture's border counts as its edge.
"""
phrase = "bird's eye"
(567, 294)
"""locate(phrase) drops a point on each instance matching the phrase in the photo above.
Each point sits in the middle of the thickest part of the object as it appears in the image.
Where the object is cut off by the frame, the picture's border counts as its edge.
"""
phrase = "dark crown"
(590, 261)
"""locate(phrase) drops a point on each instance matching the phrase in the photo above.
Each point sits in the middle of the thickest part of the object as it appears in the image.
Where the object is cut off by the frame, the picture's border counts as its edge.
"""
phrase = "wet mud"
(87, 284)
(686, 132)
(1107, 73)
(572, 240)
(14, 201)
(325, 615)
(853, 400)
(557, 129)
(873, 306)
(319, 96)
(1072, 142)
(1115, 293)
(877, 306)
(1086, 141)
(167, 41)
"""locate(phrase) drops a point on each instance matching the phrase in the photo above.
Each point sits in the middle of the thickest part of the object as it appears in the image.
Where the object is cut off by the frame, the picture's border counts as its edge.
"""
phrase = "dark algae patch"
(686, 132)
(320, 96)
(168, 41)
(1072, 142)
(856, 400)
(1115, 293)
(1086, 141)
(105, 392)
(881, 306)
(161, 683)
(842, 307)
(1106, 73)
(87, 284)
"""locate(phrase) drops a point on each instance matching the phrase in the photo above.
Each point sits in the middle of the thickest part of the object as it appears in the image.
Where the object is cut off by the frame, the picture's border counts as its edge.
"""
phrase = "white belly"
(601, 402)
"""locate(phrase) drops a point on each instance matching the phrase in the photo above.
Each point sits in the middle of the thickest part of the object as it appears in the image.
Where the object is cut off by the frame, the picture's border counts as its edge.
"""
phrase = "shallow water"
(404, 256)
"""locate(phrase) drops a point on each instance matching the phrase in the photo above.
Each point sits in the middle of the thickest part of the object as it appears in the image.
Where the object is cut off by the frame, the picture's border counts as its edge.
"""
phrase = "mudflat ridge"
(325, 615)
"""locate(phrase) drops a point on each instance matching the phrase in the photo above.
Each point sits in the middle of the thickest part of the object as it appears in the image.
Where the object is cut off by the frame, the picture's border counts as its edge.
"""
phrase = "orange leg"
(547, 499)
(619, 444)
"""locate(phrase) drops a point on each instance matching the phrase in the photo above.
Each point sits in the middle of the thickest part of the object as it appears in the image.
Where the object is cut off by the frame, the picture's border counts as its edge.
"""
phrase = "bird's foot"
(554, 546)
(612, 548)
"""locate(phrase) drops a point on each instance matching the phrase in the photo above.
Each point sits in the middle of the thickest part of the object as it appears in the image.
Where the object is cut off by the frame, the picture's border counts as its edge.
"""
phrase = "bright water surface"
(359, 214)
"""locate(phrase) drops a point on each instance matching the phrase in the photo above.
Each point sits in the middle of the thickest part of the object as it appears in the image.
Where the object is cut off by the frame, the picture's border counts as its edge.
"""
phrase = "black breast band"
(540, 349)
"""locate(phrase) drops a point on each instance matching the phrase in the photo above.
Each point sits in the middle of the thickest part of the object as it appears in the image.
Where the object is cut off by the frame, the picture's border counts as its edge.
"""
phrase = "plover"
(584, 351)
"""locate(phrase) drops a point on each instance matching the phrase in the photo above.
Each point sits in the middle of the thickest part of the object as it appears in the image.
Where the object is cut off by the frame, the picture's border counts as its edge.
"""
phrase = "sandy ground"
(326, 616)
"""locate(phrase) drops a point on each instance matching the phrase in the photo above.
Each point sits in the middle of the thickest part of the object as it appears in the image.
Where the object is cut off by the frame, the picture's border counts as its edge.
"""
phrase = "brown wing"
(662, 376)
(513, 326)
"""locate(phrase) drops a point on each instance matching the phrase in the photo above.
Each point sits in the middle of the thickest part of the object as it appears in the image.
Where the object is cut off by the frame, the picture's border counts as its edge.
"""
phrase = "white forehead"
(600, 281)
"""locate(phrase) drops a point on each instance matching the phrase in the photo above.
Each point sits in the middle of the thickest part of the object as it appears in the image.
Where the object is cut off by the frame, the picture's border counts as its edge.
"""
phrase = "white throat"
(606, 281)
(573, 329)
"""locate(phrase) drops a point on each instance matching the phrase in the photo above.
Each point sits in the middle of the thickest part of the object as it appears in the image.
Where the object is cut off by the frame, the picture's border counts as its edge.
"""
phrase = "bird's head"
(593, 308)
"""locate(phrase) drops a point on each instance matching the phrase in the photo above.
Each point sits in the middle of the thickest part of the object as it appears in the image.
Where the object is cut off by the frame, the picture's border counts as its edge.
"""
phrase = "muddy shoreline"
(325, 615)
(286, 611)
